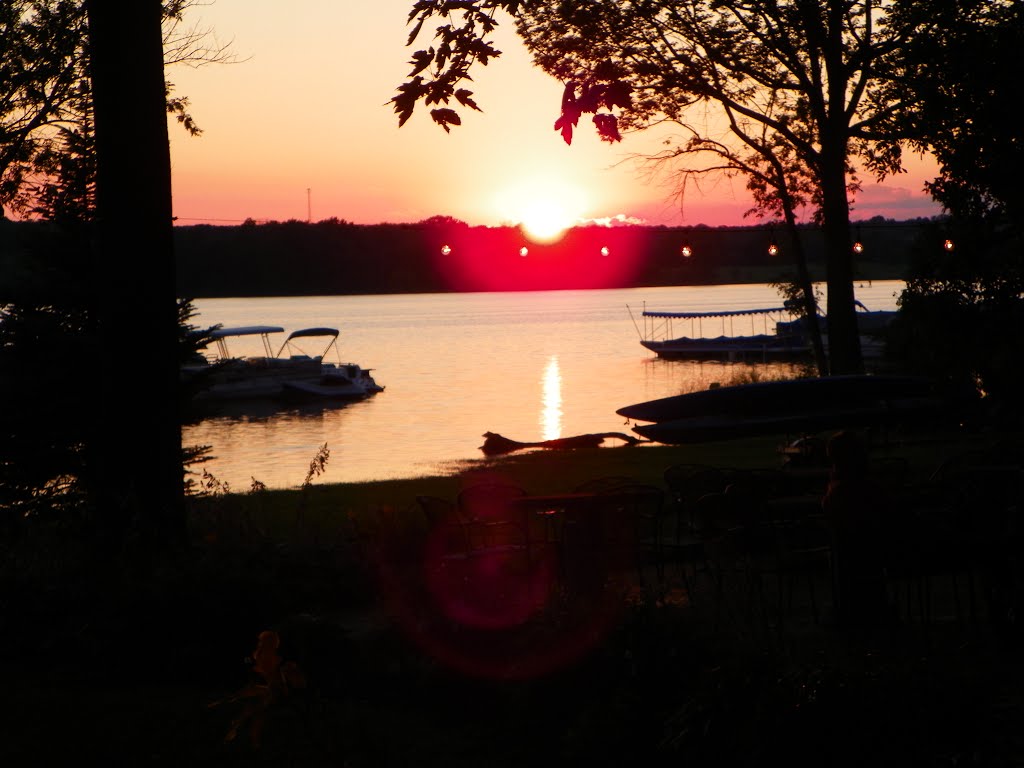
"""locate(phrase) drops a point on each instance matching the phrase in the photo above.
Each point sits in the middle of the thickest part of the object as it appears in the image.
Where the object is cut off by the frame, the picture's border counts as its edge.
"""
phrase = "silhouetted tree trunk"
(834, 133)
(136, 464)
(843, 338)
(809, 306)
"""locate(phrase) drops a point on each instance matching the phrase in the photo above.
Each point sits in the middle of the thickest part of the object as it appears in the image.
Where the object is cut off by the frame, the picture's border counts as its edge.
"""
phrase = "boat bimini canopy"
(313, 332)
(658, 326)
(245, 330)
(723, 313)
(221, 335)
(307, 333)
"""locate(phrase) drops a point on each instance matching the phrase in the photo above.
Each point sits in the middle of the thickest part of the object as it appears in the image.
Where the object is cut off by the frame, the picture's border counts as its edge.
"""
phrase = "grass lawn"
(135, 663)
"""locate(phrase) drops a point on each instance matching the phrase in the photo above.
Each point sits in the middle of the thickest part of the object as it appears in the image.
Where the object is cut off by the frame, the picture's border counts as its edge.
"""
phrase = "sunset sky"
(301, 128)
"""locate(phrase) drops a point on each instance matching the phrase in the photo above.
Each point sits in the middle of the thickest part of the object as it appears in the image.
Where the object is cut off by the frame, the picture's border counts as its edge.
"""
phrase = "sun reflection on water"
(551, 415)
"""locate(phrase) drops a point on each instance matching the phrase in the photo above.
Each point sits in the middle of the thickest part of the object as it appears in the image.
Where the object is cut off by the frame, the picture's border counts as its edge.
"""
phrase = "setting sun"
(544, 207)
(546, 220)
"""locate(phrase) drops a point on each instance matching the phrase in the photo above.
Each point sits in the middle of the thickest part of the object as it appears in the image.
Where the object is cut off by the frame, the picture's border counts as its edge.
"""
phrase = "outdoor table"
(589, 527)
(554, 508)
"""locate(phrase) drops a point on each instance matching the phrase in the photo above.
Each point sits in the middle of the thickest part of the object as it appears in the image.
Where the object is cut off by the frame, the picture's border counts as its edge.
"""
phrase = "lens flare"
(544, 207)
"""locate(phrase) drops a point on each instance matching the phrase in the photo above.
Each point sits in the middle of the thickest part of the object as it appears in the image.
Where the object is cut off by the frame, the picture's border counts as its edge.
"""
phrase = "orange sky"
(301, 128)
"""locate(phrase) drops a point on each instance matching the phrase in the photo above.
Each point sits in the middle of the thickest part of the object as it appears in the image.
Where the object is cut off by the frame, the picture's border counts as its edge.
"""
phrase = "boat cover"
(313, 332)
(724, 313)
(245, 330)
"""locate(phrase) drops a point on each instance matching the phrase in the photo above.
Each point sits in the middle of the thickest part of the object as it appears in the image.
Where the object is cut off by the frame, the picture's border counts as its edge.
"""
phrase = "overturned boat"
(798, 405)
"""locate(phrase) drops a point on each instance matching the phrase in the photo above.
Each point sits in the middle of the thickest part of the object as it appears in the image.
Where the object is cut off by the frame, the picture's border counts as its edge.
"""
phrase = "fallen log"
(495, 444)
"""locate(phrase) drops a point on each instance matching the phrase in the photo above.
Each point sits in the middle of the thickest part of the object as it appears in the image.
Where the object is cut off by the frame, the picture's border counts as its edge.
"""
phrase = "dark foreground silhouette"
(377, 639)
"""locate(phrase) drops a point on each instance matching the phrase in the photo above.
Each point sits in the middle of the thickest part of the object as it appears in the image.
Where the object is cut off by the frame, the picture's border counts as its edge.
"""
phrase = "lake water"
(530, 366)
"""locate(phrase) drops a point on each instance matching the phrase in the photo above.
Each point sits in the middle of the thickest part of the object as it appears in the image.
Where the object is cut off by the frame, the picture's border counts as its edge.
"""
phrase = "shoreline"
(542, 471)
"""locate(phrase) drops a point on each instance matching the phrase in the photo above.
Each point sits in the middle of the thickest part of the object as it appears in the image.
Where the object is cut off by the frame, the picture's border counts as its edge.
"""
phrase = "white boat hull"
(347, 382)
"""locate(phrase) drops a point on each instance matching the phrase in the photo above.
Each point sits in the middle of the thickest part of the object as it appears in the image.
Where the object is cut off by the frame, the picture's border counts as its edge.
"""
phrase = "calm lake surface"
(530, 366)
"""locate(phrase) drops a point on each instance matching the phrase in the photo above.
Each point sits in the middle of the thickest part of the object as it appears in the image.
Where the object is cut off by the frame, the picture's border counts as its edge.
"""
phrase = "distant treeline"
(441, 254)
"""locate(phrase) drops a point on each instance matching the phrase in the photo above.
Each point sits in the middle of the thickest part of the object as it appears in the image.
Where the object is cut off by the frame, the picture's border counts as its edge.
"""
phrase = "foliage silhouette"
(803, 90)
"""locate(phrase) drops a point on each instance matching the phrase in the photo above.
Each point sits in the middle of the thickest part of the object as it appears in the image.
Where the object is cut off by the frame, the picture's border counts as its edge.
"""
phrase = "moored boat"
(783, 333)
(659, 335)
(336, 380)
(272, 376)
(346, 381)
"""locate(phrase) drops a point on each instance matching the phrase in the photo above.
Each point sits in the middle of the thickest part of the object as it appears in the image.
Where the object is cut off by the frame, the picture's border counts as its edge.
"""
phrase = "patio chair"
(492, 521)
(444, 524)
(686, 484)
(621, 527)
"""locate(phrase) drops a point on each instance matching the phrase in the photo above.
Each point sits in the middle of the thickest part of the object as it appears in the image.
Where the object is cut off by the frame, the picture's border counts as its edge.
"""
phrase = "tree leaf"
(405, 101)
(420, 61)
(445, 117)
(415, 30)
(568, 95)
(618, 94)
(465, 99)
(564, 124)
(607, 127)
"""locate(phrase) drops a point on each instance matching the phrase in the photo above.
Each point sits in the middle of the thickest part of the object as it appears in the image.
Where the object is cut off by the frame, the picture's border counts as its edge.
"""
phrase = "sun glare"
(545, 208)
(546, 220)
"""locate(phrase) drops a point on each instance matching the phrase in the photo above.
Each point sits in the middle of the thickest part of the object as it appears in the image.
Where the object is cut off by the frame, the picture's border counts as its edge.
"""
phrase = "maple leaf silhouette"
(570, 113)
(607, 127)
(466, 100)
(420, 61)
(445, 117)
(564, 124)
(405, 101)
